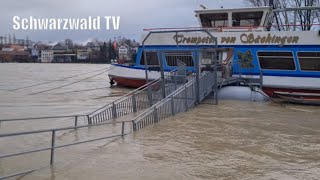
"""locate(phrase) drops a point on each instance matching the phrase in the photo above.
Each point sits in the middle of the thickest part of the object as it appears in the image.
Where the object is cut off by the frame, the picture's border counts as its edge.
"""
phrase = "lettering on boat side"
(181, 39)
(251, 38)
(244, 38)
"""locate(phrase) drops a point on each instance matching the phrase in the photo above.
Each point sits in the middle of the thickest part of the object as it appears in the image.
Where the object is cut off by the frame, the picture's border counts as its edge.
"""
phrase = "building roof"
(13, 53)
(59, 46)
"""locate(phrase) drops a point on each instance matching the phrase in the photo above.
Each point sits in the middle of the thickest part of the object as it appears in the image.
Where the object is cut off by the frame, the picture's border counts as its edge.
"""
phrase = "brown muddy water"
(234, 140)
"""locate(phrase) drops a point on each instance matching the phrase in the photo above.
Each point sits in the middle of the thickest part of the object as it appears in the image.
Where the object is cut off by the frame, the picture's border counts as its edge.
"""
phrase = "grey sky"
(135, 15)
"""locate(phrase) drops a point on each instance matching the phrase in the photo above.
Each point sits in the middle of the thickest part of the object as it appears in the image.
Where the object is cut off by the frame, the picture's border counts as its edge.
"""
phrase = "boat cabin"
(235, 19)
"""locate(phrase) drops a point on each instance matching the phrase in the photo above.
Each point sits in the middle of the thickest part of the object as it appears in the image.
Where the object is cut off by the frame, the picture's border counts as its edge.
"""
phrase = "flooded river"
(234, 140)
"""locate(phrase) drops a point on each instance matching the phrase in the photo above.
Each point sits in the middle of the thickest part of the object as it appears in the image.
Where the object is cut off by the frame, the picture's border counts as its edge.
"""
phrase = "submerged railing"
(179, 101)
(132, 102)
(141, 98)
(53, 146)
(184, 98)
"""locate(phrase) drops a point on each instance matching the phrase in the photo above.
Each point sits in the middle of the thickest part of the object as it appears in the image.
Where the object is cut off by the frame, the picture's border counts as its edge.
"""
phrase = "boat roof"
(244, 9)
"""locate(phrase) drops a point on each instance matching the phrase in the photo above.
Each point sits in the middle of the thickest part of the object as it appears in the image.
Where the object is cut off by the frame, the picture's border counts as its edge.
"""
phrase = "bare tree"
(306, 17)
(284, 20)
(68, 43)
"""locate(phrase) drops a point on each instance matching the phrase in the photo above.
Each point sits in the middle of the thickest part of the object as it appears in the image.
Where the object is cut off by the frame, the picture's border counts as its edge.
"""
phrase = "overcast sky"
(135, 15)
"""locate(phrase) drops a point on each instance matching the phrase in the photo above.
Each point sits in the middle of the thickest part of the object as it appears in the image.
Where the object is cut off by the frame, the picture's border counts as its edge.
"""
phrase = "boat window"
(309, 61)
(172, 58)
(214, 20)
(152, 58)
(276, 60)
(207, 57)
(246, 18)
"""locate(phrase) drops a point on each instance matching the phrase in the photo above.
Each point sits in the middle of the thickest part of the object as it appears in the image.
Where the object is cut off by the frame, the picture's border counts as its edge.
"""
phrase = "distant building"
(46, 56)
(12, 47)
(59, 48)
(61, 54)
(14, 56)
(124, 53)
(63, 57)
(34, 52)
(82, 54)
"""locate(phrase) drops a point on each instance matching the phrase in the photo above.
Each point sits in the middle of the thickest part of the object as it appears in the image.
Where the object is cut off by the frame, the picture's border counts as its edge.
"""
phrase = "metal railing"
(141, 98)
(134, 101)
(179, 101)
(185, 97)
(67, 121)
(131, 102)
(53, 146)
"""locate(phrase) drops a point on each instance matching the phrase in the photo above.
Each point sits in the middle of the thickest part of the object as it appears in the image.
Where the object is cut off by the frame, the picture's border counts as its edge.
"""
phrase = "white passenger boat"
(289, 60)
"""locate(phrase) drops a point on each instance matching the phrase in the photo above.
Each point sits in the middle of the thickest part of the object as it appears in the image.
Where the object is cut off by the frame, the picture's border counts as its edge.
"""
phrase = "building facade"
(82, 54)
(46, 56)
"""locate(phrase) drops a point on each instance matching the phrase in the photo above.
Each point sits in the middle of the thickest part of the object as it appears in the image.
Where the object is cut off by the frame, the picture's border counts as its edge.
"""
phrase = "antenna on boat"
(203, 7)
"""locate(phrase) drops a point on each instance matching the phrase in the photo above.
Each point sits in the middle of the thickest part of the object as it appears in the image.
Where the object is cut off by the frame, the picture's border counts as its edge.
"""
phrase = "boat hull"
(272, 84)
(131, 76)
(128, 82)
(299, 98)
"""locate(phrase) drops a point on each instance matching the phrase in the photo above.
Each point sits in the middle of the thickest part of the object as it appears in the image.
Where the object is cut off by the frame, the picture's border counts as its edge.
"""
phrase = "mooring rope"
(92, 89)
(58, 80)
(70, 83)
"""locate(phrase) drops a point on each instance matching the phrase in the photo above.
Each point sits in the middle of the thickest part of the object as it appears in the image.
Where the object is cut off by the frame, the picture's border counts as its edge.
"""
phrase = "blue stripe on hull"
(243, 48)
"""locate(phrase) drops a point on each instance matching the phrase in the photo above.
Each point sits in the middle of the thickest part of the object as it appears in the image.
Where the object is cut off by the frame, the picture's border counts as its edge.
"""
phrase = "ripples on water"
(234, 140)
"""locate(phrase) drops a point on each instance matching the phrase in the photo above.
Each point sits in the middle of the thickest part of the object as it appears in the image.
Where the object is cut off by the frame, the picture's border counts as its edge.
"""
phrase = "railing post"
(186, 97)
(89, 120)
(172, 106)
(155, 115)
(75, 122)
(163, 85)
(175, 80)
(197, 77)
(215, 69)
(52, 146)
(133, 125)
(150, 95)
(134, 102)
(114, 111)
(122, 129)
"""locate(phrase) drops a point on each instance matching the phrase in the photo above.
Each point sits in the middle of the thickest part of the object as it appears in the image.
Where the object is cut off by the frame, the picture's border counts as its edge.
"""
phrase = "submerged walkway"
(235, 140)
(147, 105)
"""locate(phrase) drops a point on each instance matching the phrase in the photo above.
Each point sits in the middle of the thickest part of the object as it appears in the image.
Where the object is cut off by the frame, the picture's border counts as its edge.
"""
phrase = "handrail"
(224, 27)
(134, 91)
(56, 129)
(164, 100)
(18, 174)
(53, 137)
(38, 118)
